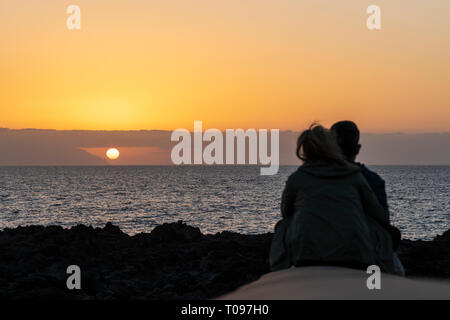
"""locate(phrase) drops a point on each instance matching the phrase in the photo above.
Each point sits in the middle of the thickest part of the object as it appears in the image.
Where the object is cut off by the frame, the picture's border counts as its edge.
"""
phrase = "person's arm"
(374, 209)
(377, 184)
(382, 197)
(379, 188)
(371, 205)
(288, 199)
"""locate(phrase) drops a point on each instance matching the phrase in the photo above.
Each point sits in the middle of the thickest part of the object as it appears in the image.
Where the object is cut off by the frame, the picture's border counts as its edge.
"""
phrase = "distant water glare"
(213, 198)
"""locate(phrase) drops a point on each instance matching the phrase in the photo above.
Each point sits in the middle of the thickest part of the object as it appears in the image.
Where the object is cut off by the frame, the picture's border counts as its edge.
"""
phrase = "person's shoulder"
(292, 175)
(294, 179)
(369, 174)
(296, 175)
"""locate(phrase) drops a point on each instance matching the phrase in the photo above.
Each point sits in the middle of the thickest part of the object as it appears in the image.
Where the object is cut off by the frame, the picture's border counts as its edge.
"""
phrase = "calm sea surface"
(218, 198)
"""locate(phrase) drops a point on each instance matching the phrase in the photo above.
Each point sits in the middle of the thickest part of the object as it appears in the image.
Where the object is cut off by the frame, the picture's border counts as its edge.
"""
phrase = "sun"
(112, 153)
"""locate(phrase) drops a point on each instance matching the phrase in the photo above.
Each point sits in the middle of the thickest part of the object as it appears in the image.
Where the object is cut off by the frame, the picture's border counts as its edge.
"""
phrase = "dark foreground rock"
(174, 261)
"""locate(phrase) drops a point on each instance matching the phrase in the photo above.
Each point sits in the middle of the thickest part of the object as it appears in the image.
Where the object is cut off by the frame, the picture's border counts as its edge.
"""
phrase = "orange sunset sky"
(232, 64)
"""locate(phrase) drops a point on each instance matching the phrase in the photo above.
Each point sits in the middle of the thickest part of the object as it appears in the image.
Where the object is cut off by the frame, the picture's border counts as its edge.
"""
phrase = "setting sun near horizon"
(112, 153)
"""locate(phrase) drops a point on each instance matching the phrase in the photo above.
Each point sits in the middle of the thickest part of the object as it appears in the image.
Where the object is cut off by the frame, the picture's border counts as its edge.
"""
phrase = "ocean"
(213, 198)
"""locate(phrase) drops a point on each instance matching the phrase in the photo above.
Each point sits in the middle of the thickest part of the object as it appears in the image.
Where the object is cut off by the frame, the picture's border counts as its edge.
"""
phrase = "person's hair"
(346, 134)
(317, 143)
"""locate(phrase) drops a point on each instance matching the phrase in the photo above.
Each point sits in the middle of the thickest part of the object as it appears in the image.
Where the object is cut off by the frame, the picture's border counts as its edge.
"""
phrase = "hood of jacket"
(327, 170)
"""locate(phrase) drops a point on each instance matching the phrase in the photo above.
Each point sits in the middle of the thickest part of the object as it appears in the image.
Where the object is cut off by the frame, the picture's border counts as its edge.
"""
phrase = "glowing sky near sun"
(232, 64)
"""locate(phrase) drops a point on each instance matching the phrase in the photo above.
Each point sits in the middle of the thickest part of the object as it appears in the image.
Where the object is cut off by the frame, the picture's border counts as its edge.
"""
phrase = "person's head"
(318, 144)
(347, 137)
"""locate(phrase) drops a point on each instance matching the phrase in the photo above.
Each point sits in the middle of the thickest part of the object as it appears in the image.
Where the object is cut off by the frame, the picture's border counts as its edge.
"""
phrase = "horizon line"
(167, 130)
(205, 165)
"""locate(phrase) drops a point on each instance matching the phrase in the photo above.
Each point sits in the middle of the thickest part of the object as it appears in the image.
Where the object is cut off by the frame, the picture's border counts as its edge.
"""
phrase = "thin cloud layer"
(53, 147)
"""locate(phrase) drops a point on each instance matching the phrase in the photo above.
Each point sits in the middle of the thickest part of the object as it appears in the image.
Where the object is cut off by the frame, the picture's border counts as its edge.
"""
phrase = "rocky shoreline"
(174, 261)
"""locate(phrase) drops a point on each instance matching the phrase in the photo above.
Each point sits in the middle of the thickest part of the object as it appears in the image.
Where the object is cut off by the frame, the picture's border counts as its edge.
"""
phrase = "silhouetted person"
(330, 214)
(347, 137)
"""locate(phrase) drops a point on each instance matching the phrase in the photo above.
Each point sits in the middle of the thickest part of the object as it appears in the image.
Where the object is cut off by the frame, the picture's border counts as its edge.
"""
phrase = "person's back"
(328, 210)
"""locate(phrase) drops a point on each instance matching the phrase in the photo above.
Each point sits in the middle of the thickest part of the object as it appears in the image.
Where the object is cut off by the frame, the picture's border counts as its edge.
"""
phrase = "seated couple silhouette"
(334, 209)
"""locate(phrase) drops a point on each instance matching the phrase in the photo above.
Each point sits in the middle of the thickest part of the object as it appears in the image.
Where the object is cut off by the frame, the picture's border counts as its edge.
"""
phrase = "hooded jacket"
(330, 215)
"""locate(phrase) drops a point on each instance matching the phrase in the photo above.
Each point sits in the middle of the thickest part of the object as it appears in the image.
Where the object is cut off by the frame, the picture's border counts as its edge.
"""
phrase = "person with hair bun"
(330, 215)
